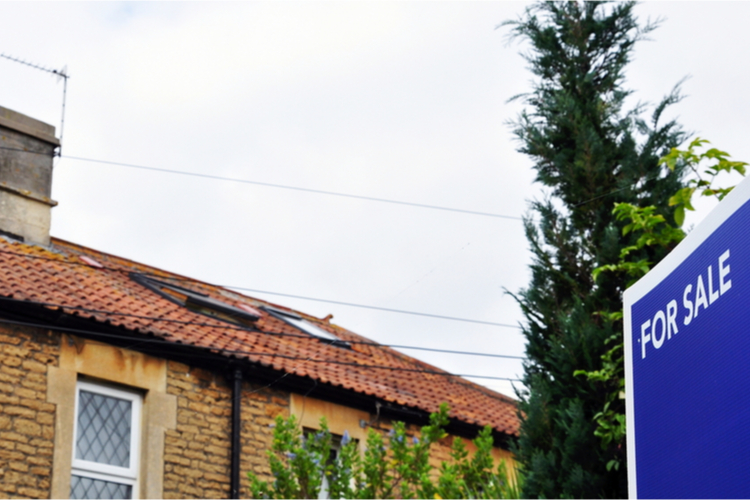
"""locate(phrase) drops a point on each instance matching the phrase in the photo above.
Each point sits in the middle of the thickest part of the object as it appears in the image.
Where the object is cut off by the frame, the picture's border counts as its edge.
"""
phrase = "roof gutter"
(91, 328)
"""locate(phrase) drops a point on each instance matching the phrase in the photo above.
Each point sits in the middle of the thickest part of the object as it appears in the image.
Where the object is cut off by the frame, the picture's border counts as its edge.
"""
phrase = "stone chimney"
(27, 148)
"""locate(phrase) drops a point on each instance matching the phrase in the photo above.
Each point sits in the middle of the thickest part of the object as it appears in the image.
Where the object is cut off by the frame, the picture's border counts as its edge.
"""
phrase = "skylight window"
(200, 302)
(301, 324)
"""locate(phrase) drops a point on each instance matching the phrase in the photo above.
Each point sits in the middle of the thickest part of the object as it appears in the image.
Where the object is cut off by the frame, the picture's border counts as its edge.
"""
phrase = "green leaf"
(679, 215)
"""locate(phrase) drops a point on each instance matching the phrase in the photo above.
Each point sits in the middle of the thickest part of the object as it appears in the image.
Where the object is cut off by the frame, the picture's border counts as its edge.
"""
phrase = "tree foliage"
(398, 468)
(653, 231)
(589, 152)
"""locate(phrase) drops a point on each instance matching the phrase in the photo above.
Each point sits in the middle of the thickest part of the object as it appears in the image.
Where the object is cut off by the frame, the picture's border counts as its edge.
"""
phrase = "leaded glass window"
(106, 436)
(86, 487)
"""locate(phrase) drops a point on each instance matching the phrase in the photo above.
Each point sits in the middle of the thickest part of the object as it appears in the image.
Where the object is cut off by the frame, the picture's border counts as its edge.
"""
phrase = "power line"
(376, 308)
(645, 178)
(230, 327)
(251, 353)
(351, 304)
(280, 186)
(319, 191)
(506, 356)
(295, 188)
(333, 193)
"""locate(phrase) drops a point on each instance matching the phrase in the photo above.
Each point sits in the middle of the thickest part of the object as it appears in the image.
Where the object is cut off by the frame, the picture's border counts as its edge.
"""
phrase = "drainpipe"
(234, 475)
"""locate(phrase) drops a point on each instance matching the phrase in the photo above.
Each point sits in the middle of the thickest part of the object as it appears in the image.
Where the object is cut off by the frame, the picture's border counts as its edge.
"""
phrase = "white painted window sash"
(105, 472)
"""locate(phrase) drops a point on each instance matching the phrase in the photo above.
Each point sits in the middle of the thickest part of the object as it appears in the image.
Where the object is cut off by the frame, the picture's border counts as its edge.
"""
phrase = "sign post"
(687, 363)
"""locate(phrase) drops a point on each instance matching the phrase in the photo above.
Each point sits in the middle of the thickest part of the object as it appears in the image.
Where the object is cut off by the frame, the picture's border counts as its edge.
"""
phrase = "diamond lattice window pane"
(86, 487)
(104, 426)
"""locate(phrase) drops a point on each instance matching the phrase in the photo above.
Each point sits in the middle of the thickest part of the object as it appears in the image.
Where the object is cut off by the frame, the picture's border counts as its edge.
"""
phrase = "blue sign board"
(687, 363)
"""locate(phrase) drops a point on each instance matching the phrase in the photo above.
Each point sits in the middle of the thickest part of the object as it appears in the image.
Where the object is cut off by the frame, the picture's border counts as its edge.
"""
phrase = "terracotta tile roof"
(64, 274)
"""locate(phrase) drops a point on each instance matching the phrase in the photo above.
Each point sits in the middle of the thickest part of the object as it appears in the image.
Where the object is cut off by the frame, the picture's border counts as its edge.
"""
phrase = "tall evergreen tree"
(589, 152)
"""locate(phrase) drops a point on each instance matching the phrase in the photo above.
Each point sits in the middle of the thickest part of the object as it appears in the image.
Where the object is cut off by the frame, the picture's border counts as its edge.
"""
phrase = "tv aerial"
(60, 74)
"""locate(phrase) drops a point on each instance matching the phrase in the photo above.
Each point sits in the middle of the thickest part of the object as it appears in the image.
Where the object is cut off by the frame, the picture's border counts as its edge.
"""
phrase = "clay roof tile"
(61, 275)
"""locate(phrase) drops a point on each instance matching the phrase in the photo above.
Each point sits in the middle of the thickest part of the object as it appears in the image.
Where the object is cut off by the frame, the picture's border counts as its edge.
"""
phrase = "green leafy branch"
(654, 231)
(703, 180)
(301, 466)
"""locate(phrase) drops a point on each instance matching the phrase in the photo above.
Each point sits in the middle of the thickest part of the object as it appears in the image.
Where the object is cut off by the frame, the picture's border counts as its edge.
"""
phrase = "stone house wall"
(196, 456)
(26, 419)
(197, 452)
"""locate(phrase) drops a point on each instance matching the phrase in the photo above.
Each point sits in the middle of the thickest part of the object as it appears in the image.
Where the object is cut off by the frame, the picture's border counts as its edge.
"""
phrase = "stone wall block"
(25, 393)
(36, 386)
(37, 378)
(9, 399)
(176, 368)
(19, 411)
(11, 455)
(19, 466)
(27, 450)
(11, 361)
(35, 366)
(45, 418)
(31, 492)
(38, 405)
(41, 471)
(13, 436)
(15, 351)
(172, 440)
(195, 455)
(7, 338)
(48, 432)
(7, 486)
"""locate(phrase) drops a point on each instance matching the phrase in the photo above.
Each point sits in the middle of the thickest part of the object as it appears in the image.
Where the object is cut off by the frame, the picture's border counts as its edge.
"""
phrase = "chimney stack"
(27, 148)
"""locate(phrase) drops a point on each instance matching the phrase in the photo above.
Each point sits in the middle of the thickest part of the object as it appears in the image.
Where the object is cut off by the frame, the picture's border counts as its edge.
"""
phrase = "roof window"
(301, 324)
(200, 302)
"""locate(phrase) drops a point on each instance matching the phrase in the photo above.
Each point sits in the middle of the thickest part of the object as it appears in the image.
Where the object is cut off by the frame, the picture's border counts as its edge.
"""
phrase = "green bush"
(396, 467)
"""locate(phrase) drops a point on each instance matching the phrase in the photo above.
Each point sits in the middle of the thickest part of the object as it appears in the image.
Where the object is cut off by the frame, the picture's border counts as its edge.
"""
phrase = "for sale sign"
(687, 363)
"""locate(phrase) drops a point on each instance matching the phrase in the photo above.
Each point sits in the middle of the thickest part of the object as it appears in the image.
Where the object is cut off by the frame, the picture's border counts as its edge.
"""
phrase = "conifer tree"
(589, 153)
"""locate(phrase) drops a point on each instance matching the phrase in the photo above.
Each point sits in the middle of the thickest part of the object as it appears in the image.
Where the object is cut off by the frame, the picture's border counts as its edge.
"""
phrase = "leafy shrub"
(392, 466)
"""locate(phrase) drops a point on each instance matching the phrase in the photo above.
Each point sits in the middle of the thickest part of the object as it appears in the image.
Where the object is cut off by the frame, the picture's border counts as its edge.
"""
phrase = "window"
(201, 303)
(307, 327)
(337, 441)
(105, 442)
(336, 444)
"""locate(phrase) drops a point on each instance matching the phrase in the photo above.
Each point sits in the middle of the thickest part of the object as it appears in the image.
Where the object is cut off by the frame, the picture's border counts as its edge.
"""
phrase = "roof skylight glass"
(307, 327)
(199, 302)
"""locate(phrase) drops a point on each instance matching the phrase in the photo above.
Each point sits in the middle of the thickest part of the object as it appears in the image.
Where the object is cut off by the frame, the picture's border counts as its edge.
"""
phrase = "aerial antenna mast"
(61, 74)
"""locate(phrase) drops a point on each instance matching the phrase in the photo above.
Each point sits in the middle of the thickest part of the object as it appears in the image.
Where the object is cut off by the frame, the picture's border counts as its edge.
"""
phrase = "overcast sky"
(396, 100)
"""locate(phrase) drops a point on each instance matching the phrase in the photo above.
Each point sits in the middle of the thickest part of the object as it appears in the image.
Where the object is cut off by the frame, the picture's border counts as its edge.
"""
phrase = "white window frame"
(106, 472)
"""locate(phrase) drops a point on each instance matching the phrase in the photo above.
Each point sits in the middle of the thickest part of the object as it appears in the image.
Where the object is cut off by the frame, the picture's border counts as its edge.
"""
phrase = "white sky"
(406, 101)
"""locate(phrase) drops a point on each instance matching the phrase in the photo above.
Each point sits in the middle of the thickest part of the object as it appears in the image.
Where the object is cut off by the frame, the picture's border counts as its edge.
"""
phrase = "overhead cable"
(335, 193)
(217, 350)
(377, 308)
(235, 328)
(350, 304)
(295, 188)
(332, 193)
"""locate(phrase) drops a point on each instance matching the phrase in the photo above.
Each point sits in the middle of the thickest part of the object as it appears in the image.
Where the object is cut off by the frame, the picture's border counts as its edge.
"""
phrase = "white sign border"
(733, 202)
